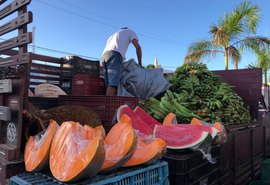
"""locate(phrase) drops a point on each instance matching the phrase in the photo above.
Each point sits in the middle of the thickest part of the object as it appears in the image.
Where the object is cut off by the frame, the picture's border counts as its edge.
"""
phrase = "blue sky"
(165, 28)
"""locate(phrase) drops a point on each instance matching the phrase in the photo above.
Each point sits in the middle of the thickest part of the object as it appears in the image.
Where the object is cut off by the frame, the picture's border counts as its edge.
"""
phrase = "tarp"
(141, 83)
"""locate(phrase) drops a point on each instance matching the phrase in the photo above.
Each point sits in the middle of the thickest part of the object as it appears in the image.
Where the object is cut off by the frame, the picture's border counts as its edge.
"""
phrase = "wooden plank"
(41, 68)
(10, 52)
(46, 58)
(37, 83)
(47, 72)
(44, 78)
(2, 1)
(12, 7)
(16, 41)
(16, 60)
(16, 23)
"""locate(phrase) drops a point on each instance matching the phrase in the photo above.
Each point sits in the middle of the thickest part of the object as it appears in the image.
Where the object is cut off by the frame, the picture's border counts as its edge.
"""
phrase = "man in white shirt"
(114, 54)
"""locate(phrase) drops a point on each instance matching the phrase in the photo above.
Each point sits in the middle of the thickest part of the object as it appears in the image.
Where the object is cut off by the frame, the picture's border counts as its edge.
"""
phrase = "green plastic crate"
(265, 166)
(152, 174)
(265, 171)
(265, 176)
(258, 182)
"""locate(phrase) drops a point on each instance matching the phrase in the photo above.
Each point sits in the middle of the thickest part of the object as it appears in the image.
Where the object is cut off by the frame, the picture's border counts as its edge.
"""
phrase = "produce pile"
(195, 135)
(73, 152)
(197, 92)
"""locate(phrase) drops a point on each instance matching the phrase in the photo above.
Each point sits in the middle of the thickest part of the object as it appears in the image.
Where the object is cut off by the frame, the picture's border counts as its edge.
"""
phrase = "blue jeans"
(112, 65)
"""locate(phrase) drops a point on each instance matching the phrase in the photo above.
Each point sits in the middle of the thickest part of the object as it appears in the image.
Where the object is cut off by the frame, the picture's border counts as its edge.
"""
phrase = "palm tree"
(231, 36)
(263, 61)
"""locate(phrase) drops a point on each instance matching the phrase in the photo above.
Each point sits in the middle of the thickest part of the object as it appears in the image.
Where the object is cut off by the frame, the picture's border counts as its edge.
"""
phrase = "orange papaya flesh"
(76, 153)
(196, 121)
(170, 119)
(120, 143)
(94, 132)
(37, 149)
(218, 126)
(147, 153)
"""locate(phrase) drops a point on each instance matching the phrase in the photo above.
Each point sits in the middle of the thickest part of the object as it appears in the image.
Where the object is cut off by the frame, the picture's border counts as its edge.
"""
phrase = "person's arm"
(138, 51)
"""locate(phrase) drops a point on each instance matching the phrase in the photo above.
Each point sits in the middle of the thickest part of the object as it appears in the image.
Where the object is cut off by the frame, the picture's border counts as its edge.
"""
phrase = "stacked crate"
(105, 106)
(265, 171)
(84, 84)
(242, 155)
(81, 76)
(191, 168)
(150, 174)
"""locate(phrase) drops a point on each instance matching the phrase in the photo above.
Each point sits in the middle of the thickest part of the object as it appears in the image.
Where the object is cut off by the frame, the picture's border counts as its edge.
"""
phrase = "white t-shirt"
(120, 40)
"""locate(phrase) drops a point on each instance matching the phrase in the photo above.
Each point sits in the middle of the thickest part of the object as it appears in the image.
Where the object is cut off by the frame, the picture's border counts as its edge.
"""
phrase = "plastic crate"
(44, 102)
(265, 176)
(75, 65)
(265, 166)
(256, 165)
(243, 174)
(191, 169)
(153, 174)
(258, 182)
(226, 179)
(84, 84)
(105, 106)
(265, 171)
(10, 168)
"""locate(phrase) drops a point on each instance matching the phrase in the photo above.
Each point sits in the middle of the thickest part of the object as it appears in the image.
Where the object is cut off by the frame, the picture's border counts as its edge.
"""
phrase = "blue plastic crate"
(154, 174)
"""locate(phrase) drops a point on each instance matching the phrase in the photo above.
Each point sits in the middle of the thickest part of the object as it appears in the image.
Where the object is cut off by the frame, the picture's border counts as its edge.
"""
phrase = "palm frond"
(252, 65)
(199, 55)
(249, 14)
(243, 19)
(220, 37)
(234, 54)
(201, 49)
(249, 43)
(200, 45)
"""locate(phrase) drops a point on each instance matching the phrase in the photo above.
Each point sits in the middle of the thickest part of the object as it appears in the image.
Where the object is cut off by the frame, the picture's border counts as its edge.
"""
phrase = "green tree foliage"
(234, 33)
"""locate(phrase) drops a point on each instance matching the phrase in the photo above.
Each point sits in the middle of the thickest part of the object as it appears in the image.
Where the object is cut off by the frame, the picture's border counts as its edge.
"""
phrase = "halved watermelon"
(147, 118)
(137, 122)
(213, 131)
(178, 137)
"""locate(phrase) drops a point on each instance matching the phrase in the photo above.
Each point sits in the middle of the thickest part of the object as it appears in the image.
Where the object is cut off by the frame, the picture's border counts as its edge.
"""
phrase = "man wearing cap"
(114, 54)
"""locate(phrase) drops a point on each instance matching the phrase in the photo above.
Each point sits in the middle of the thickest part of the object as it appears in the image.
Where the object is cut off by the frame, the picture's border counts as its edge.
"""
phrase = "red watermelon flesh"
(147, 118)
(137, 122)
(213, 131)
(178, 137)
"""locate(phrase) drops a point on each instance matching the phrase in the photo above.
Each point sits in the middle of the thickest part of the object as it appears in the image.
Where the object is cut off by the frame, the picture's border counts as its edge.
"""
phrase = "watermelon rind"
(205, 143)
(214, 132)
(199, 141)
(163, 135)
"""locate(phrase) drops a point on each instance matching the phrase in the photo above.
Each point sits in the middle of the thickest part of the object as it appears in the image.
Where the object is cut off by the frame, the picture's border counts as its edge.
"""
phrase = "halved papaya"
(37, 149)
(120, 143)
(218, 126)
(147, 152)
(91, 132)
(170, 119)
(195, 121)
(76, 152)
